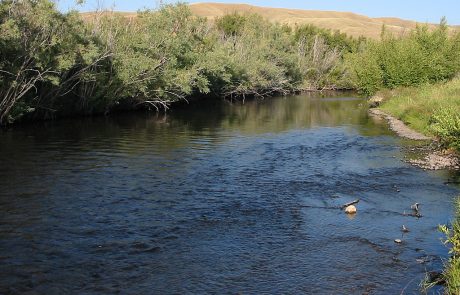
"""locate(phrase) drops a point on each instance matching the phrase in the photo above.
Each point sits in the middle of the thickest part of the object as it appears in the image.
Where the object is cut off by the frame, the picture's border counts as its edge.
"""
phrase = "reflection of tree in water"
(208, 119)
(281, 114)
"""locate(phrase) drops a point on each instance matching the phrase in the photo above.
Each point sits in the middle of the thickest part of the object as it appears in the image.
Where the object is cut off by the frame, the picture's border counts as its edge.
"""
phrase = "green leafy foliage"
(44, 55)
(432, 109)
(446, 125)
(423, 56)
(452, 238)
(231, 24)
(55, 64)
(334, 39)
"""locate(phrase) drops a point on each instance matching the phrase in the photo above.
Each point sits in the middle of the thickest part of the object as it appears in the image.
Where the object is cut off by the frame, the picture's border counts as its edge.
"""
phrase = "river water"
(218, 198)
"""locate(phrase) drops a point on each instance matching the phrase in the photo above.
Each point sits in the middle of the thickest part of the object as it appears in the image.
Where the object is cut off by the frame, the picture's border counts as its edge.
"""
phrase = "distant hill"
(347, 22)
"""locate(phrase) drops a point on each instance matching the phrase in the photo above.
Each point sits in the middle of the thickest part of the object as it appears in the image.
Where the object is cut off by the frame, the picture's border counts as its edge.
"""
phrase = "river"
(218, 198)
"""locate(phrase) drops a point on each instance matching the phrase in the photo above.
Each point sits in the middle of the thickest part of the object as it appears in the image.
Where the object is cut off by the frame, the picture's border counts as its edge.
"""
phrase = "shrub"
(44, 56)
(445, 124)
(231, 24)
(55, 64)
(452, 270)
(422, 56)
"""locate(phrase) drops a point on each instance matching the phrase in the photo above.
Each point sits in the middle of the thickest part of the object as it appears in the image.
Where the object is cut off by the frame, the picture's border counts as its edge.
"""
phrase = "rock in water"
(398, 241)
(415, 207)
(350, 209)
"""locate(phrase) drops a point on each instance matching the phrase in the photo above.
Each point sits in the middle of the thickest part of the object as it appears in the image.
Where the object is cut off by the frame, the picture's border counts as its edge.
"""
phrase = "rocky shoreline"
(437, 160)
(432, 156)
(398, 126)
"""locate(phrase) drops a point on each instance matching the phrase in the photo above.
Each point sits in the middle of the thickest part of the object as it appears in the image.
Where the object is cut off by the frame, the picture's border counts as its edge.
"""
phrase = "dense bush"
(430, 109)
(446, 125)
(56, 64)
(154, 58)
(423, 56)
(44, 56)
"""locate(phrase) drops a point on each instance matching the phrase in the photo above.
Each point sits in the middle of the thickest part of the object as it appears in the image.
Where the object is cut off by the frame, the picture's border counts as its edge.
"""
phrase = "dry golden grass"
(350, 23)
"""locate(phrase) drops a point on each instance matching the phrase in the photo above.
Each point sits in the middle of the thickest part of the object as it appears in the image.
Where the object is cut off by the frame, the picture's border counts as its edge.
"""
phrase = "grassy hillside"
(347, 22)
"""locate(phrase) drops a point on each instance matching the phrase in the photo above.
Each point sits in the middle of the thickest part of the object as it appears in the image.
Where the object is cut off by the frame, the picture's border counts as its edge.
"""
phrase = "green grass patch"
(452, 270)
(430, 109)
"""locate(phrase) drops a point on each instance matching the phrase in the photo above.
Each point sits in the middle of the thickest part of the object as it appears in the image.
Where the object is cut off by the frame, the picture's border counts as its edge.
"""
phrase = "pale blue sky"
(419, 10)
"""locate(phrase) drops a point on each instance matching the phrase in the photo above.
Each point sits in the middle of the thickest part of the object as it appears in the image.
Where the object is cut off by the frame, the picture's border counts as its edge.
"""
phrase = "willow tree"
(44, 56)
(155, 55)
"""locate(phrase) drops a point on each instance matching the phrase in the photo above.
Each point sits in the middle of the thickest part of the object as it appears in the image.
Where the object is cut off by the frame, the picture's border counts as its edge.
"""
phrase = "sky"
(418, 10)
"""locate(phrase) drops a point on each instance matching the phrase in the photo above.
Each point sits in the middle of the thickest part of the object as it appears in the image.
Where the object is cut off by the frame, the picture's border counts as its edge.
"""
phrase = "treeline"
(419, 57)
(57, 64)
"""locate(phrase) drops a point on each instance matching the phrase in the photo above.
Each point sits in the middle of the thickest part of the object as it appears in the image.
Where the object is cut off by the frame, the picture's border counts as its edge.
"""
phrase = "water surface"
(217, 198)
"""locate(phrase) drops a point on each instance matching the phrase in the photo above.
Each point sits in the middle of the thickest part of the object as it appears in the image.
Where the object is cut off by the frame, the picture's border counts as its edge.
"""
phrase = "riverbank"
(169, 55)
(429, 112)
(429, 109)
(433, 157)
(451, 274)
(160, 58)
(398, 126)
(423, 113)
